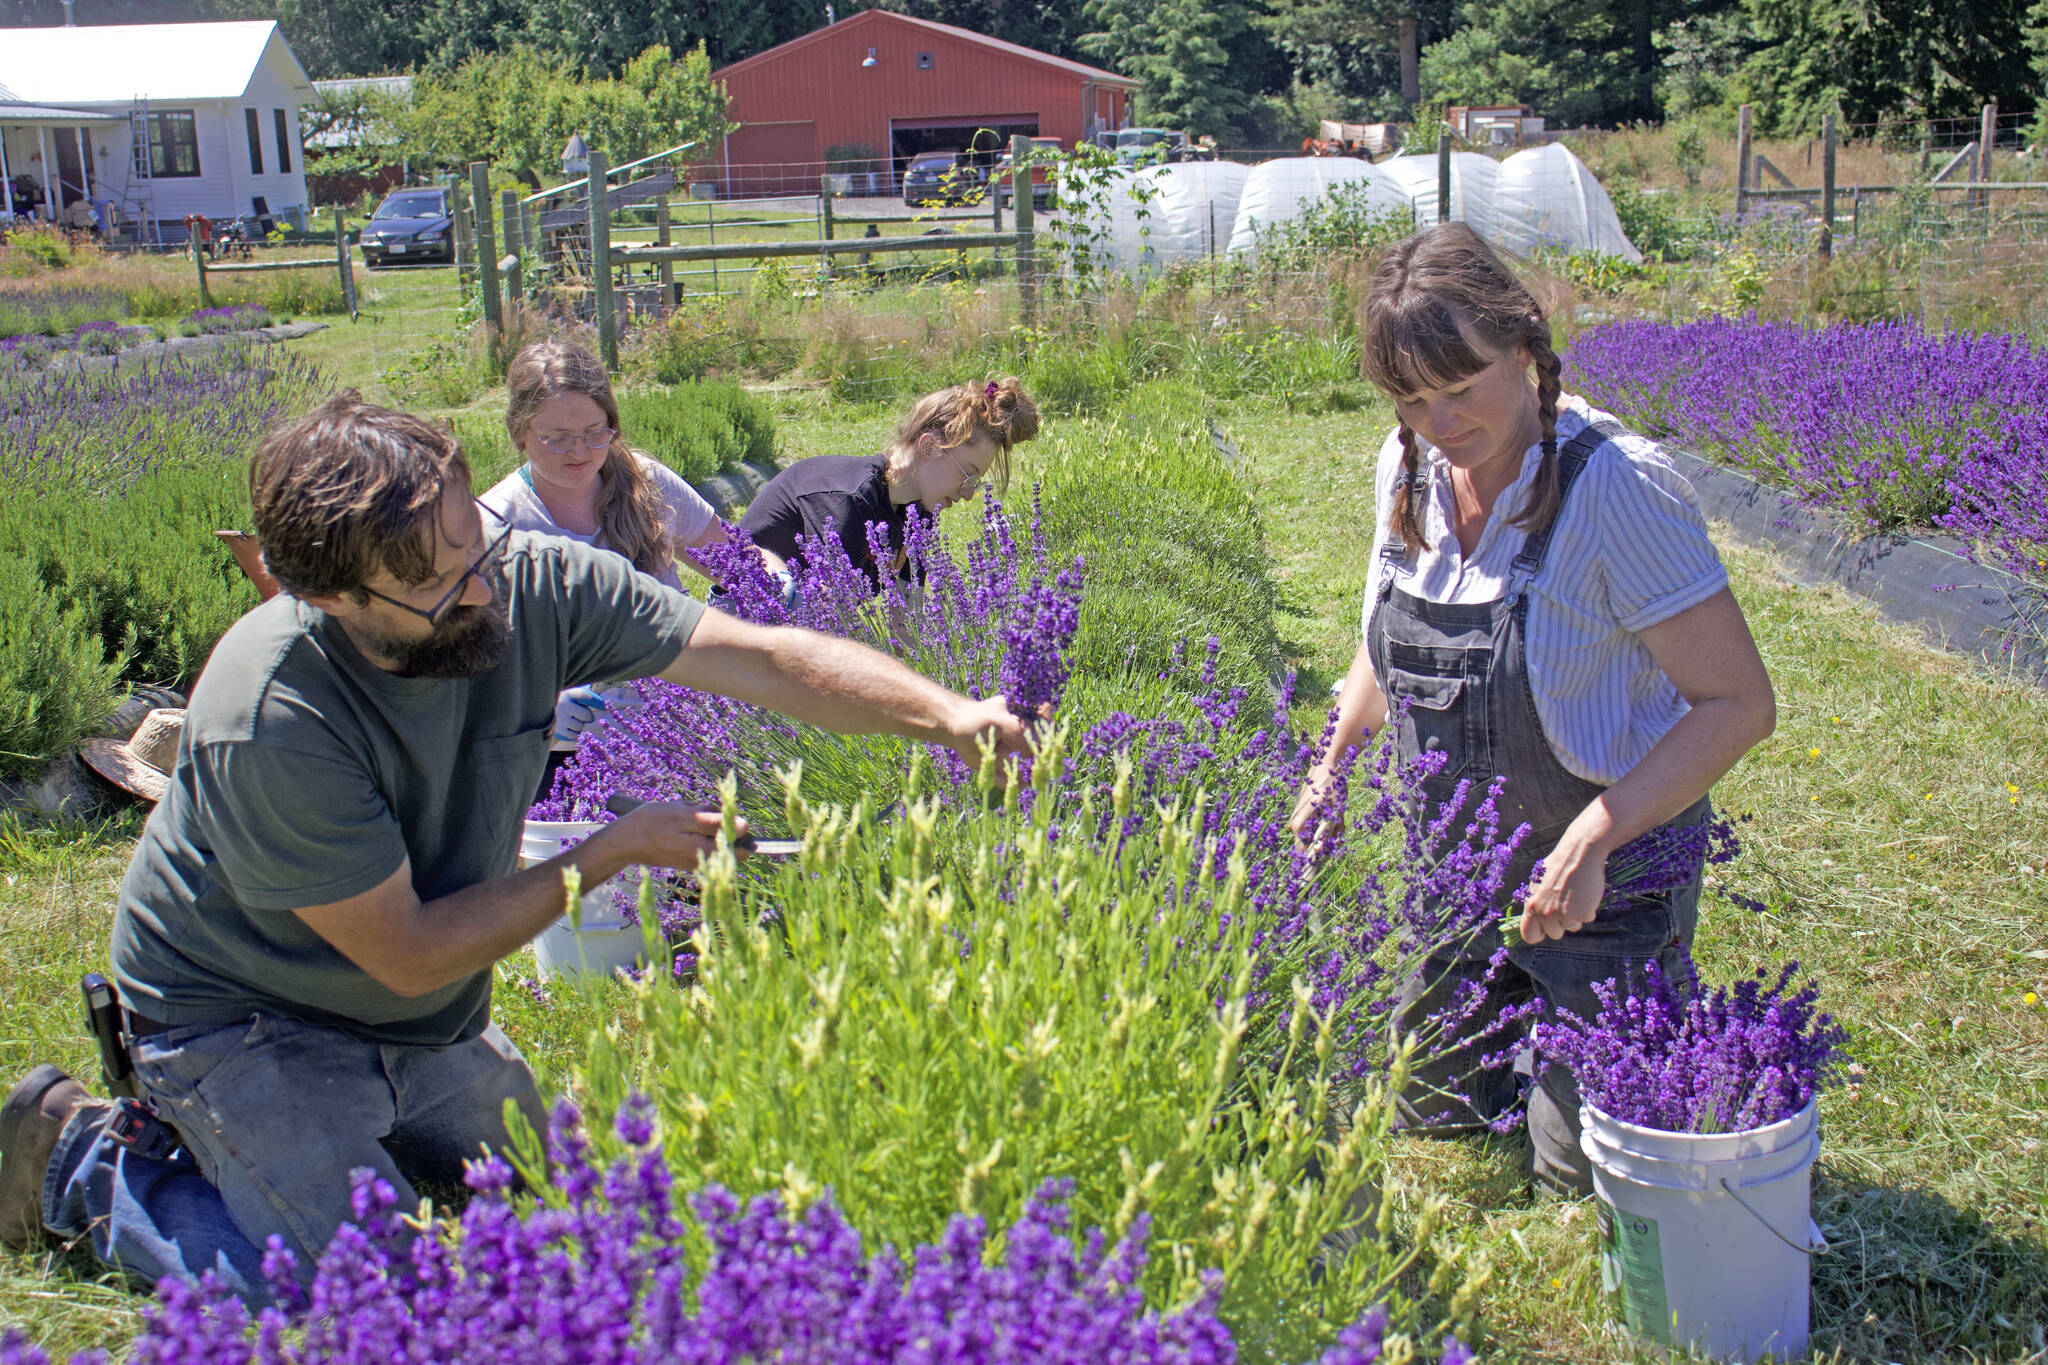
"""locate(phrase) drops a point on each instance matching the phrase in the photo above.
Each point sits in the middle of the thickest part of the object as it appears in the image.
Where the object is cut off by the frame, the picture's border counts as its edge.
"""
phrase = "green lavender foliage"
(875, 1018)
(1170, 535)
(55, 680)
(142, 572)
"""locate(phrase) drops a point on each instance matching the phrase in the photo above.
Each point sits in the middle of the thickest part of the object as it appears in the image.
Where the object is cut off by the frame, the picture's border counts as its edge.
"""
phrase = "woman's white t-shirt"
(1630, 549)
(689, 516)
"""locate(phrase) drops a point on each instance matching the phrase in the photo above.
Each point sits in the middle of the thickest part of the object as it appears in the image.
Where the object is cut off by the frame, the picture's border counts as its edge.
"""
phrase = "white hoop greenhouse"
(1539, 197)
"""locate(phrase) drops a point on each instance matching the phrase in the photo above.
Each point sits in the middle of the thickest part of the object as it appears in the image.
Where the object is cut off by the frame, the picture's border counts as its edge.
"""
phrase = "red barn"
(898, 86)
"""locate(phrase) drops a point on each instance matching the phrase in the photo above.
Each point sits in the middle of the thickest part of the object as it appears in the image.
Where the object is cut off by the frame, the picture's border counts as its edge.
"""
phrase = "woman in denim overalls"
(1547, 604)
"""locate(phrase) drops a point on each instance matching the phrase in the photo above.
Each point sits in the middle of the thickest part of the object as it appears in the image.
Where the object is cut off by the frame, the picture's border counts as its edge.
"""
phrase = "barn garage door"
(987, 136)
(773, 158)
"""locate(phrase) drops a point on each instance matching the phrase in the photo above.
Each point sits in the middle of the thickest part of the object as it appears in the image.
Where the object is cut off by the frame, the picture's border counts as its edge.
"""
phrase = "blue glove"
(576, 710)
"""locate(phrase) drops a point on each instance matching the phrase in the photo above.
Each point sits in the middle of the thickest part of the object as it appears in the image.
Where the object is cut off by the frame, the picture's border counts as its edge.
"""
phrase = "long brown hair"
(998, 408)
(631, 517)
(1427, 293)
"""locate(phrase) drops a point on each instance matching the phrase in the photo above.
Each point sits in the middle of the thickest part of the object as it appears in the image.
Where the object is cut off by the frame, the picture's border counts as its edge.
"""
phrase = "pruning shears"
(620, 803)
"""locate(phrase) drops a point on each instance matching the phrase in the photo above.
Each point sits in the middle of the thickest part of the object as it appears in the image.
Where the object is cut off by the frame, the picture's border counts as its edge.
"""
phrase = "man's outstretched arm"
(837, 685)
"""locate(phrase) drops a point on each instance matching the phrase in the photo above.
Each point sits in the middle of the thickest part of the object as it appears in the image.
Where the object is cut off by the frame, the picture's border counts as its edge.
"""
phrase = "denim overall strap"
(1461, 669)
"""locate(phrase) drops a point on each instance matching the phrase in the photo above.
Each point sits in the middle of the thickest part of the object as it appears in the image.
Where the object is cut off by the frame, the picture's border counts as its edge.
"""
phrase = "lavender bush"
(100, 429)
(1126, 973)
(1675, 1059)
(1884, 421)
(601, 1272)
(236, 317)
(56, 310)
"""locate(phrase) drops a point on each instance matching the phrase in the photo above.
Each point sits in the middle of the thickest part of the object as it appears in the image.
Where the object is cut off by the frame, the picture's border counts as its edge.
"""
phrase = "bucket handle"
(1816, 1244)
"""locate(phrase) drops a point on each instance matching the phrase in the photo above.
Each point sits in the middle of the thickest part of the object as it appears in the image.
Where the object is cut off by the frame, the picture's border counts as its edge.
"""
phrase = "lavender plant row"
(1884, 421)
(601, 1273)
(103, 428)
(989, 620)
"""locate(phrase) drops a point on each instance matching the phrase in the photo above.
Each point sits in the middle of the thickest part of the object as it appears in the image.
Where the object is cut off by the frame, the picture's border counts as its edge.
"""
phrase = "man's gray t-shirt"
(308, 775)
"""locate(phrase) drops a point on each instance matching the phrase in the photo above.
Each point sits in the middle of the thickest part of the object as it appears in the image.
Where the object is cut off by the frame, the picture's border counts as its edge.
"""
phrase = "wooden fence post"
(464, 249)
(515, 283)
(1985, 138)
(825, 222)
(486, 244)
(1027, 251)
(199, 265)
(345, 263)
(1743, 123)
(1827, 187)
(666, 271)
(1443, 177)
(601, 261)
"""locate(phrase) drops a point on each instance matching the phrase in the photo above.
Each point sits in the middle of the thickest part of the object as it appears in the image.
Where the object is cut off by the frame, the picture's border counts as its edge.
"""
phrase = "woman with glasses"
(582, 481)
(946, 450)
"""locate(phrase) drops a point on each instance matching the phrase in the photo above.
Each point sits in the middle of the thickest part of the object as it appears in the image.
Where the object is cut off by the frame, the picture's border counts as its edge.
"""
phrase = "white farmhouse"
(156, 121)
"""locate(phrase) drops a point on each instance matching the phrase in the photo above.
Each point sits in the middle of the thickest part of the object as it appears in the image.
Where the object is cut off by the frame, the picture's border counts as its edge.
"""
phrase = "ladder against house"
(141, 182)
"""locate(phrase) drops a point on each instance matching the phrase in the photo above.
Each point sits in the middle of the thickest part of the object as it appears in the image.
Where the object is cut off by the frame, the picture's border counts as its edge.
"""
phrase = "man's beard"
(464, 643)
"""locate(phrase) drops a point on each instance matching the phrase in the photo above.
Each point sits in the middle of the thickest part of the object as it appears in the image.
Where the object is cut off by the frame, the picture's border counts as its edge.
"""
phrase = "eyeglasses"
(489, 557)
(969, 484)
(589, 440)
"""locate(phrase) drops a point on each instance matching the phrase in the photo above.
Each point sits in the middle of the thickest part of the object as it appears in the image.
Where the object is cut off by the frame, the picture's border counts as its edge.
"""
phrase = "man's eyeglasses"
(589, 440)
(489, 557)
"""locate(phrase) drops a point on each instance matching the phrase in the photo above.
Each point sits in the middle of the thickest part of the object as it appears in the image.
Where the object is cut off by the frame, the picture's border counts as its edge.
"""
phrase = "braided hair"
(1431, 297)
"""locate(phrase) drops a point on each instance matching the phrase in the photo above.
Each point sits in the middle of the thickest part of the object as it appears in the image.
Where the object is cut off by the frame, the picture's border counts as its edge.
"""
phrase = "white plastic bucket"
(604, 942)
(1705, 1237)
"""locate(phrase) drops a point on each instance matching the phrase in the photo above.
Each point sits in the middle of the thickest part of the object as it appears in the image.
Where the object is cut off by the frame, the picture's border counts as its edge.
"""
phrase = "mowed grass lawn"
(1899, 834)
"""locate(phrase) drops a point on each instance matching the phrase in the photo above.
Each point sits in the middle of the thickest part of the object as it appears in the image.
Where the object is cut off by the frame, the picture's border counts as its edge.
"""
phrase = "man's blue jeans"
(274, 1114)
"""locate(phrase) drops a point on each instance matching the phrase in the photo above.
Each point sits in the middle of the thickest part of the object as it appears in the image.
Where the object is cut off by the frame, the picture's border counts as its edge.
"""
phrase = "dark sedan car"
(941, 178)
(410, 225)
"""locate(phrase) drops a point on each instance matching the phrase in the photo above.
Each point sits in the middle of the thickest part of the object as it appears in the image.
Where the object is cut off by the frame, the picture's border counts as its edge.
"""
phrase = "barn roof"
(1079, 70)
(118, 63)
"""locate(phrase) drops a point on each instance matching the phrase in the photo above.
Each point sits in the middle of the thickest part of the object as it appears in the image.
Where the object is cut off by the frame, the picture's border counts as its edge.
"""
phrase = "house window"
(173, 144)
(255, 141)
(284, 143)
(924, 61)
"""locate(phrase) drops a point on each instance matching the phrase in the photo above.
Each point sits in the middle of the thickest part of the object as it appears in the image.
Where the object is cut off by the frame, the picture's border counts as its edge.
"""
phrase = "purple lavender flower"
(1675, 1059)
(1884, 421)
(601, 1274)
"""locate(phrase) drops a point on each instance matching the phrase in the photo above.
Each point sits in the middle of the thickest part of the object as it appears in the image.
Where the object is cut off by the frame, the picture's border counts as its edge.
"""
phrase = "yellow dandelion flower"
(2031, 998)
(1838, 720)
(1556, 1283)
(1813, 753)
(2012, 789)
(1928, 797)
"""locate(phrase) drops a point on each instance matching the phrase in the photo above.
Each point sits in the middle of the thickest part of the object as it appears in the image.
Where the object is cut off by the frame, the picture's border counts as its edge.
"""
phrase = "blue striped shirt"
(1630, 550)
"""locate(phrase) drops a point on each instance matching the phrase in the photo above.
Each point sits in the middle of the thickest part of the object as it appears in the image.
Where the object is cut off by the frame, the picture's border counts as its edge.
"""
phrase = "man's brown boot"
(30, 1123)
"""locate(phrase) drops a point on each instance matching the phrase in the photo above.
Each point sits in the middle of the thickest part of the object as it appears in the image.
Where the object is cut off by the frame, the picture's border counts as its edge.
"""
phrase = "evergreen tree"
(1190, 56)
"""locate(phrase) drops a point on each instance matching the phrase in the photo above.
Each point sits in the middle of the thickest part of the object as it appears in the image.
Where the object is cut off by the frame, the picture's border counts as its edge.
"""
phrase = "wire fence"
(697, 278)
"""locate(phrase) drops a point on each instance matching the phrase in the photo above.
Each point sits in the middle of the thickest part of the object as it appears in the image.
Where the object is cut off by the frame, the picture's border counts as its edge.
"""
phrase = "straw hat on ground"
(142, 764)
